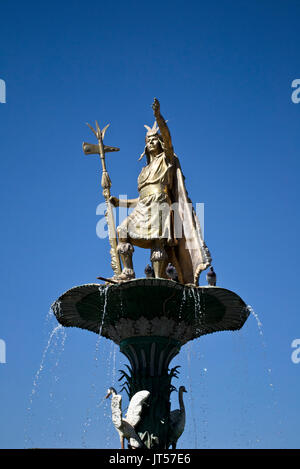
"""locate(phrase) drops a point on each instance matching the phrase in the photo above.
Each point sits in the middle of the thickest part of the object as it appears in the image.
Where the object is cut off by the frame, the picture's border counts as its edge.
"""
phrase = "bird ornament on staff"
(101, 149)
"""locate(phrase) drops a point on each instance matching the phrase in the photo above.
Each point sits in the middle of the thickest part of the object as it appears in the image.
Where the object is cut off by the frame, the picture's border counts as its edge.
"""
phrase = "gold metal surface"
(151, 190)
(106, 185)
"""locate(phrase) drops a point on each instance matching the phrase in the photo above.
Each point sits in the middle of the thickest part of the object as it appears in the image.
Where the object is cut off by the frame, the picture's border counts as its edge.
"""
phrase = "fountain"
(150, 319)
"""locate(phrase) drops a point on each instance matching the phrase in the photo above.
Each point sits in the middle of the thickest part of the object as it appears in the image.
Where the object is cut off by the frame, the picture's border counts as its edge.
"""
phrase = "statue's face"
(153, 144)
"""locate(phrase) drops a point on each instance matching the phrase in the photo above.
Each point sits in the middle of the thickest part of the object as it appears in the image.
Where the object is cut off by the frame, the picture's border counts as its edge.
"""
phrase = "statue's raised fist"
(156, 106)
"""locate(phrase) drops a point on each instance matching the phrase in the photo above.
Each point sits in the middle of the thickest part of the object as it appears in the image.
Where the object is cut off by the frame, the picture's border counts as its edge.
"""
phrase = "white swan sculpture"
(177, 420)
(125, 426)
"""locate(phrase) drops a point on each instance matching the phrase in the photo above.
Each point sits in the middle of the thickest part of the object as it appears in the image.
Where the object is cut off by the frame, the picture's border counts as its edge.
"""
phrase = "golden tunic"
(161, 183)
(150, 219)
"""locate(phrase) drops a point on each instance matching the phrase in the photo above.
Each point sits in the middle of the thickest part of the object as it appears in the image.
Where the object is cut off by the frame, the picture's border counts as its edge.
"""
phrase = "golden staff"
(101, 149)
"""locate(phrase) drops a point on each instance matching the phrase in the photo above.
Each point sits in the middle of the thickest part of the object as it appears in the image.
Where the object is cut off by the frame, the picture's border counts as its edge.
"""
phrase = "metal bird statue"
(177, 420)
(125, 426)
(211, 277)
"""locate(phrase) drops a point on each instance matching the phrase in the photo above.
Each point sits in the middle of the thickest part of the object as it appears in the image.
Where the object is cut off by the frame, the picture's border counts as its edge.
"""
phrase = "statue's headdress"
(154, 130)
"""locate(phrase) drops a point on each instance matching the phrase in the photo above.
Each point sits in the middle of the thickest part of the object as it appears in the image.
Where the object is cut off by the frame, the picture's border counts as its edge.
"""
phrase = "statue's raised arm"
(164, 130)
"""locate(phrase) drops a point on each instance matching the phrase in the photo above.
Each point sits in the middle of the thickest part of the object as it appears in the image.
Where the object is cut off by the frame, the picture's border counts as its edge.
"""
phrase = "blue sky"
(222, 71)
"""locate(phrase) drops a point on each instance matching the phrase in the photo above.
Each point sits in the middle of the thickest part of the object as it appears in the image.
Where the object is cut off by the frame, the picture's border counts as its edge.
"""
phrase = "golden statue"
(162, 206)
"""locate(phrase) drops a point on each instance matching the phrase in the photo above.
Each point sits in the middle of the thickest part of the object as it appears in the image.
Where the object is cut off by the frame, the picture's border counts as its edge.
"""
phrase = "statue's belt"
(151, 190)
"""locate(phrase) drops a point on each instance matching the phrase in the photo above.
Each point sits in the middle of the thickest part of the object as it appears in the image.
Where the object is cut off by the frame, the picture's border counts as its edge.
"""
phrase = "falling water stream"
(246, 415)
(198, 424)
(258, 321)
(96, 374)
(56, 341)
(248, 433)
(274, 398)
(105, 294)
(54, 348)
(37, 375)
(191, 395)
(260, 330)
(183, 301)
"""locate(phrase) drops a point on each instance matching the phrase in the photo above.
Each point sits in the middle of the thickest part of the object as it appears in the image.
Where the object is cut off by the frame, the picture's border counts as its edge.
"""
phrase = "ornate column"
(149, 358)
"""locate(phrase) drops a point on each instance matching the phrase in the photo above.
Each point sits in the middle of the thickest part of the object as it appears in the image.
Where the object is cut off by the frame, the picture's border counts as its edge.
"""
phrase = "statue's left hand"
(156, 107)
(114, 201)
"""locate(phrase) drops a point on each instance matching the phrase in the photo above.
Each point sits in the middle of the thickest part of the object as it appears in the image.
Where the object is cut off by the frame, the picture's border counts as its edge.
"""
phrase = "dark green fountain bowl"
(150, 307)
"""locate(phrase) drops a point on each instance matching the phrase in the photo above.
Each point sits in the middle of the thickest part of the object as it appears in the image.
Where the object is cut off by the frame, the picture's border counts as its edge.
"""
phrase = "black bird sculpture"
(211, 277)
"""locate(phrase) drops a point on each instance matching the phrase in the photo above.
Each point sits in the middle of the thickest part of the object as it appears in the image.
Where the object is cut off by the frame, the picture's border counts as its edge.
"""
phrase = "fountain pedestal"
(149, 358)
(150, 319)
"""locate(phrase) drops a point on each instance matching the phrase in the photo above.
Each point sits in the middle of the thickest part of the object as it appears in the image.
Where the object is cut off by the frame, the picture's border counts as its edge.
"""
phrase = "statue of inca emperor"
(163, 218)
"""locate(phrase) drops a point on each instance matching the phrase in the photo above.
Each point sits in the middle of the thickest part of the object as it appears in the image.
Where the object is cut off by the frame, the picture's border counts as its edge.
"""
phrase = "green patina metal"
(159, 300)
(150, 358)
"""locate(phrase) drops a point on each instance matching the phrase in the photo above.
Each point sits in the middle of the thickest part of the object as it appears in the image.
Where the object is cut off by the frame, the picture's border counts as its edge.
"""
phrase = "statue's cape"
(191, 252)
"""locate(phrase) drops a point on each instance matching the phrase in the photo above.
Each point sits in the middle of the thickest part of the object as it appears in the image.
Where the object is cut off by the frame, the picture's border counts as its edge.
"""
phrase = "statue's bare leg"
(159, 258)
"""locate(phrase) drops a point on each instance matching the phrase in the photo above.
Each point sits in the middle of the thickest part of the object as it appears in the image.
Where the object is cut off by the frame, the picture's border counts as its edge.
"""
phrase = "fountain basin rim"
(146, 283)
(148, 312)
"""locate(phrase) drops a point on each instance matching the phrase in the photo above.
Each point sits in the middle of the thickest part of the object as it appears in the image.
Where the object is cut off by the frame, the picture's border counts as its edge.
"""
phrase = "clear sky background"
(222, 71)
